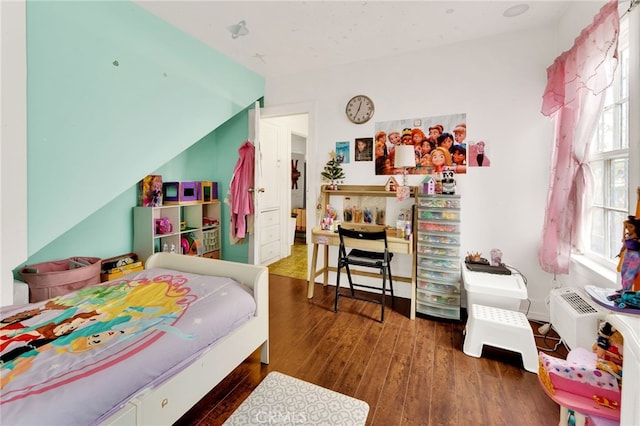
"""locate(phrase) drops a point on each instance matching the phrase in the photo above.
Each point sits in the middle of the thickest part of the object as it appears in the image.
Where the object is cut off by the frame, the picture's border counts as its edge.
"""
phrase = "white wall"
(498, 82)
(13, 150)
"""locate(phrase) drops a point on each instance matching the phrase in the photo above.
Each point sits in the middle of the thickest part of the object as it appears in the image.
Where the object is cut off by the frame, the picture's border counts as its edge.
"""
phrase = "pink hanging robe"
(240, 199)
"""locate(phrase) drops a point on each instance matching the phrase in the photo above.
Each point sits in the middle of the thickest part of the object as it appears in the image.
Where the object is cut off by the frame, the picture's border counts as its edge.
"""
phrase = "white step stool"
(500, 328)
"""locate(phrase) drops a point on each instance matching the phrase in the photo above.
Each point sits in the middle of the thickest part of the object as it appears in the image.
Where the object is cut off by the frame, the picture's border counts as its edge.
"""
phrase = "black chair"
(378, 258)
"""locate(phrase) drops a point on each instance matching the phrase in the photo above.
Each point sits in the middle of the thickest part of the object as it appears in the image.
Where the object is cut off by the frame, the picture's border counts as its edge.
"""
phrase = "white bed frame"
(167, 402)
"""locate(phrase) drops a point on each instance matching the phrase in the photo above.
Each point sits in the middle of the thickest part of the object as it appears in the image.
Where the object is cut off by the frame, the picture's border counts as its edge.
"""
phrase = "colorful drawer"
(448, 227)
(441, 202)
(438, 250)
(438, 286)
(450, 215)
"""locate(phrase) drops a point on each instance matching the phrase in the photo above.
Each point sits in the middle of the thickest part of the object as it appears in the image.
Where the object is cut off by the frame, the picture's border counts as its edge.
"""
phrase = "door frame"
(269, 112)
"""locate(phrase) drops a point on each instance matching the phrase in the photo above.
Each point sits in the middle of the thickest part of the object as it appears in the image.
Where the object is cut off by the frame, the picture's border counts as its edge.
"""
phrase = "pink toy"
(576, 383)
(184, 245)
(163, 226)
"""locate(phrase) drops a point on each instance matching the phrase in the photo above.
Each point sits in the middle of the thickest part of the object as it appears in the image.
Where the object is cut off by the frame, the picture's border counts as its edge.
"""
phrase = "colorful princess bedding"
(76, 359)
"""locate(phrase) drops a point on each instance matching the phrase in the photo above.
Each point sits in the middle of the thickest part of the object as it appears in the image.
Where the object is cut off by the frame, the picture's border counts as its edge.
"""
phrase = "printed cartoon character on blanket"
(91, 317)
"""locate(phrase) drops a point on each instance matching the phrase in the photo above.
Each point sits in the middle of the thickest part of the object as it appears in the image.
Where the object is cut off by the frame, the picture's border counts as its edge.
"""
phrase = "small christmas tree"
(333, 171)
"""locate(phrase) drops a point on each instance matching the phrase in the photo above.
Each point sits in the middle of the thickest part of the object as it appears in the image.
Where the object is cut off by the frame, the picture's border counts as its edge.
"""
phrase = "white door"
(271, 199)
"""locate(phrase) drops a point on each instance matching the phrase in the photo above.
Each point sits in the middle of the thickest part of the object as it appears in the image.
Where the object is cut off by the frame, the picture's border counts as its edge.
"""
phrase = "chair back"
(367, 240)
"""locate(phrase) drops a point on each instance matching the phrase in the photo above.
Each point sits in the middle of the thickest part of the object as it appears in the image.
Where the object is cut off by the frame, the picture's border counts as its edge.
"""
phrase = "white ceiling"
(288, 37)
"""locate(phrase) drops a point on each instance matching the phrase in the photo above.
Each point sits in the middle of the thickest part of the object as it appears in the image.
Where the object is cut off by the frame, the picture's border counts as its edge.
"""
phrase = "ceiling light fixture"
(239, 29)
(516, 10)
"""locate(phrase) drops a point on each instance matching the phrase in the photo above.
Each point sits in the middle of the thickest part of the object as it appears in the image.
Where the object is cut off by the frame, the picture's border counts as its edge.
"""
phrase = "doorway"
(295, 191)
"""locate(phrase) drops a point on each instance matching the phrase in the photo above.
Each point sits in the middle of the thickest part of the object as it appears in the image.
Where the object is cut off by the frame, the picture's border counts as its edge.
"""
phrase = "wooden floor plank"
(388, 411)
(409, 372)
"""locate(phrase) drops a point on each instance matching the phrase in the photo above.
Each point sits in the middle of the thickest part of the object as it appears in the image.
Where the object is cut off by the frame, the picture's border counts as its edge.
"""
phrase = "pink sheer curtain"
(573, 98)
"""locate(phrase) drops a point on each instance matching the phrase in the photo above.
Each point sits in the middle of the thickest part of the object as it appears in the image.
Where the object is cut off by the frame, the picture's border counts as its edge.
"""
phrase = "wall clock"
(359, 109)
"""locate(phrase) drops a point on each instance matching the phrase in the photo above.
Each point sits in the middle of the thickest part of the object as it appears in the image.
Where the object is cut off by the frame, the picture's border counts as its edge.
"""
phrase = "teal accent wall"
(113, 95)
(109, 231)
(214, 158)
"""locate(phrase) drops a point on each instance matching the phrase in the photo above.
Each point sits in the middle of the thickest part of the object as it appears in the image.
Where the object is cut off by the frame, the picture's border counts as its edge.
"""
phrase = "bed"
(139, 350)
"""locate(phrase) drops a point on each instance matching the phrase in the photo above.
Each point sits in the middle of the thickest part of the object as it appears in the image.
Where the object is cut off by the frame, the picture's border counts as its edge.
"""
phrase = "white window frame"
(629, 41)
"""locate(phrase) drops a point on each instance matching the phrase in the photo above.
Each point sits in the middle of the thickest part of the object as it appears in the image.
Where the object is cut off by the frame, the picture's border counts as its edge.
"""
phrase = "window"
(609, 161)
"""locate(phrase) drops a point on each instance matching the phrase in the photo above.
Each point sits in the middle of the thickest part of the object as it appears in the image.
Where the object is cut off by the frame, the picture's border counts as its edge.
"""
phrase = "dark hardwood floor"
(409, 372)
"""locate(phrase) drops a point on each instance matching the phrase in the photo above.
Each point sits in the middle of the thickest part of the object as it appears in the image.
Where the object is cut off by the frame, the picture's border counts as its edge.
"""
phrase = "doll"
(629, 265)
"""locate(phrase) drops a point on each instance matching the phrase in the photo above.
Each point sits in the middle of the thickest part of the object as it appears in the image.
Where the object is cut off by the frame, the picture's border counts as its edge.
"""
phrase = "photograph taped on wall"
(342, 152)
(446, 132)
(478, 154)
(363, 149)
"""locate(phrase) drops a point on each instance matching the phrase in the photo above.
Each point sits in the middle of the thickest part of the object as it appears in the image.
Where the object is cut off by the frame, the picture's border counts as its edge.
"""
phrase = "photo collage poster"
(440, 143)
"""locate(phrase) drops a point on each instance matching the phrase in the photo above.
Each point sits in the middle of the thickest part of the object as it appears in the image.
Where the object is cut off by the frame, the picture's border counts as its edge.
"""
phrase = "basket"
(59, 277)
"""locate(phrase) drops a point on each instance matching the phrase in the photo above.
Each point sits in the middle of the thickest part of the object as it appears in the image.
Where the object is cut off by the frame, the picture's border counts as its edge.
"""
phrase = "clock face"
(359, 109)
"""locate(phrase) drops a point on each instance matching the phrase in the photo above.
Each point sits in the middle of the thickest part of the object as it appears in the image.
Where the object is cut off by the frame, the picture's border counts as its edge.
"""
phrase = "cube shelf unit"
(146, 241)
(438, 256)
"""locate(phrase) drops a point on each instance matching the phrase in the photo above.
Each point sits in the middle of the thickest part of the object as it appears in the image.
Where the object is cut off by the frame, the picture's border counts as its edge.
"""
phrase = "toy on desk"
(496, 257)
(348, 213)
(368, 216)
(476, 257)
(329, 218)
